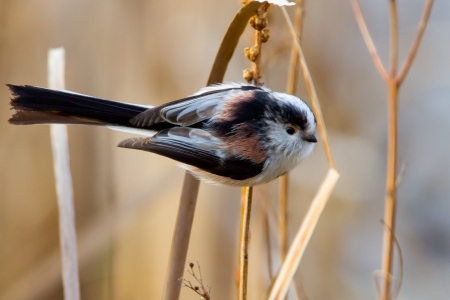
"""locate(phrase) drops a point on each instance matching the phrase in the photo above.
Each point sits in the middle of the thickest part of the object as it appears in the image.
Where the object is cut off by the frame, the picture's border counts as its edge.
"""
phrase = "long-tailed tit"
(233, 134)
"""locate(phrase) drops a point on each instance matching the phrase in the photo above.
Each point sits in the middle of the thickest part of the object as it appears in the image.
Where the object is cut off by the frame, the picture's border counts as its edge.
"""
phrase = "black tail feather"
(36, 105)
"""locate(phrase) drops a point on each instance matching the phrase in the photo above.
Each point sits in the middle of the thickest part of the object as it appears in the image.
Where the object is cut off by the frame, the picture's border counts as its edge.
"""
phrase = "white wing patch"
(197, 137)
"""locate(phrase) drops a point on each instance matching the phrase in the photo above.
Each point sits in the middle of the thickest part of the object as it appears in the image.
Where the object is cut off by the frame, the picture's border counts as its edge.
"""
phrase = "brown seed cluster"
(253, 53)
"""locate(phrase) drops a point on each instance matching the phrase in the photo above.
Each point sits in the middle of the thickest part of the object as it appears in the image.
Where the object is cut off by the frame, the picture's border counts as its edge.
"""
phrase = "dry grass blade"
(64, 188)
(312, 92)
(191, 185)
(290, 265)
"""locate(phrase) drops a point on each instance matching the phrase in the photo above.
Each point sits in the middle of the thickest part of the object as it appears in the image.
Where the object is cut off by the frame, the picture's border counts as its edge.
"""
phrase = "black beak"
(311, 138)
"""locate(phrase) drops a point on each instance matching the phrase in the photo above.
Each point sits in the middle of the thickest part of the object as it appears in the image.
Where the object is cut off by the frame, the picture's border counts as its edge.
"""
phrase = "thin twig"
(266, 230)
(291, 88)
(283, 215)
(243, 256)
(258, 22)
(201, 290)
(394, 39)
(64, 187)
(312, 92)
(415, 46)
(393, 81)
(368, 39)
(391, 189)
(382, 275)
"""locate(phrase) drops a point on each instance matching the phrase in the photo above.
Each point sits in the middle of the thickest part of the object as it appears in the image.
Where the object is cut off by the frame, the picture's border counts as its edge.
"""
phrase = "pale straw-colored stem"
(64, 187)
(301, 239)
(291, 88)
(181, 236)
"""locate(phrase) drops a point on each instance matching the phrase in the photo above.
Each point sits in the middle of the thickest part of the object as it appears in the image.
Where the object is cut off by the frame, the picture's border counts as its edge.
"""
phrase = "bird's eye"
(290, 130)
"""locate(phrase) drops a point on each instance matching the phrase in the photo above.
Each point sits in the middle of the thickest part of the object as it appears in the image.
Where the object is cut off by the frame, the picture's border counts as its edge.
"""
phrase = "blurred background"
(151, 52)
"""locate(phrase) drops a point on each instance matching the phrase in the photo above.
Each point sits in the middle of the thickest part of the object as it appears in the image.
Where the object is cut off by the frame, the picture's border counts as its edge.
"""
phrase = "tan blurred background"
(126, 201)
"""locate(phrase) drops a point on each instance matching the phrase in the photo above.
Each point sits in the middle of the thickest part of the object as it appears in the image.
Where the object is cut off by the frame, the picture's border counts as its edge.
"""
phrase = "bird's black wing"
(197, 148)
(194, 109)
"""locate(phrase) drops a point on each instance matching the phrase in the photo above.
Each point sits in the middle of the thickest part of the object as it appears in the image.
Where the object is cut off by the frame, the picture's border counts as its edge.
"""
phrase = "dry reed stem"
(312, 92)
(248, 191)
(64, 187)
(181, 236)
(290, 265)
(393, 82)
(291, 88)
(243, 252)
(180, 242)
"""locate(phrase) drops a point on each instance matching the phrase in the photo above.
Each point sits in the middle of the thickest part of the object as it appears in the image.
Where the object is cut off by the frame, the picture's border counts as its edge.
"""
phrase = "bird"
(229, 134)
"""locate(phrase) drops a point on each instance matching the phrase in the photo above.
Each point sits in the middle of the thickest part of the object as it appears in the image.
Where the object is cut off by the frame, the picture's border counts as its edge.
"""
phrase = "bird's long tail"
(36, 105)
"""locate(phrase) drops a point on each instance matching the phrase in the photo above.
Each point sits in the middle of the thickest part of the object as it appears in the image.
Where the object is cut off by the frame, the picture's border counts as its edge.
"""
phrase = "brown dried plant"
(203, 291)
(393, 80)
(259, 23)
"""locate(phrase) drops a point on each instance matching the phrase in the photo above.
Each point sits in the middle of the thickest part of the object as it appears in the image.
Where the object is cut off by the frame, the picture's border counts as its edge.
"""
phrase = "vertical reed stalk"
(243, 252)
(181, 236)
(291, 88)
(64, 187)
(393, 82)
(258, 22)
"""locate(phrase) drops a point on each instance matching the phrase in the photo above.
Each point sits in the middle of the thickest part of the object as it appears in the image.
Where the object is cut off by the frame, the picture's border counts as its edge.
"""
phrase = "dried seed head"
(191, 265)
(251, 53)
(196, 288)
(254, 52)
(265, 35)
(247, 52)
(248, 75)
(258, 23)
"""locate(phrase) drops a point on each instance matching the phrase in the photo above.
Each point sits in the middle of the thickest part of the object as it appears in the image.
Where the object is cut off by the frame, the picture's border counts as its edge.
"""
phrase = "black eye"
(290, 130)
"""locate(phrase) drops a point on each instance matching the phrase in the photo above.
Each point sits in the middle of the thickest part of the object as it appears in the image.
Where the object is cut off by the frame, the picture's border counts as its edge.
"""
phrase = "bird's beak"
(311, 138)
